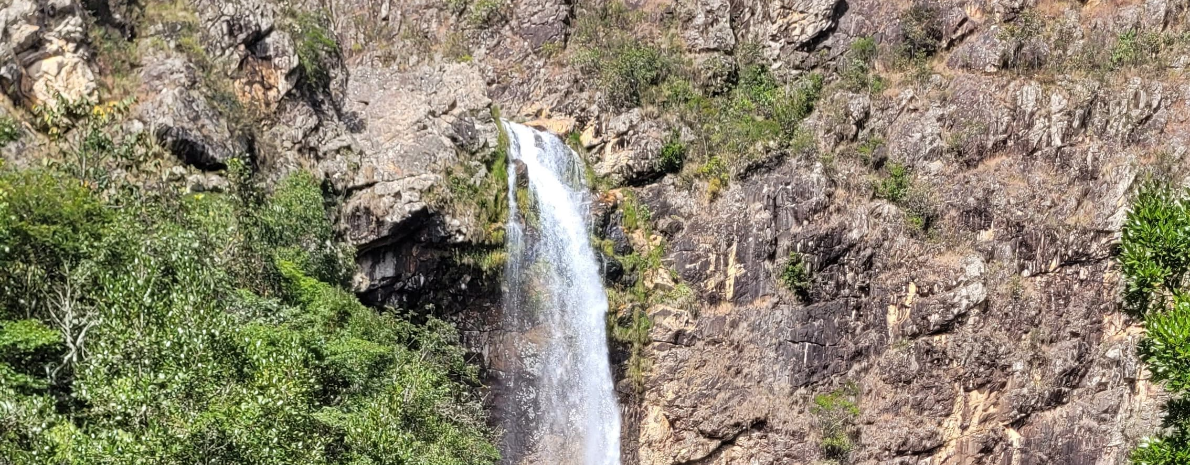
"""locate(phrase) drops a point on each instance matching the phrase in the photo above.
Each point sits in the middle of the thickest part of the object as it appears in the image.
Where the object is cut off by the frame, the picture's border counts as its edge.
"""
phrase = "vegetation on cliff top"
(146, 325)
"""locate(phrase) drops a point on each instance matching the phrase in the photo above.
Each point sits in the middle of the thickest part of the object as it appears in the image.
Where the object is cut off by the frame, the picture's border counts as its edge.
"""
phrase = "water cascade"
(563, 405)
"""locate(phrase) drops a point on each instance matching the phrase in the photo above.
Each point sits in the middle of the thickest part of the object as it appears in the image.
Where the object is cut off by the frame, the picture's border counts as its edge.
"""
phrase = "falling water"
(564, 407)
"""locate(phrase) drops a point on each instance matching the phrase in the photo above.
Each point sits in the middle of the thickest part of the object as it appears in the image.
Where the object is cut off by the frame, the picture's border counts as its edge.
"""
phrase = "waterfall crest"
(564, 406)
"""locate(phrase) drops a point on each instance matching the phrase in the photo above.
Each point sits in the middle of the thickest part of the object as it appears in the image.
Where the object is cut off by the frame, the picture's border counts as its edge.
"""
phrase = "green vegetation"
(1037, 44)
(116, 58)
(673, 154)
(836, 413)
(635, 334)
(795, 275)
(921, 210)
(1154, 258)
(149, 326)
(624, 66)
(894, 186)
(921, 38)
(921, 29)
(316, 47)
(1025, 37)
(10, 130)
(755, 123)
(857, 73)
(480, 191)
(867, 149)
(628, 320)
(744, 116)
(485, 12)
(917, 201)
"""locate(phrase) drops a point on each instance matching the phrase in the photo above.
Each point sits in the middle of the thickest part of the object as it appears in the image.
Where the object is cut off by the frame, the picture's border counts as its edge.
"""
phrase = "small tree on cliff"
(1154, 258)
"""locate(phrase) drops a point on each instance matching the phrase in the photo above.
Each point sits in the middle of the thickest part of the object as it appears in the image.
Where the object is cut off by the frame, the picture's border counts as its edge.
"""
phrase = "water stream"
(564, 408)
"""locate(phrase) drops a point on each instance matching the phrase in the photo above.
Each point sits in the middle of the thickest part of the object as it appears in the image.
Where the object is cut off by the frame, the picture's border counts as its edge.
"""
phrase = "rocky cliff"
(859, 231)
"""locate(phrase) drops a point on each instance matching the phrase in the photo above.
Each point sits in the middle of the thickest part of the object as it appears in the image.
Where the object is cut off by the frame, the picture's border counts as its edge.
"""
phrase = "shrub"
(10, 131)
(836, 413)
(635, 334)
(921, 29)
(482, 197)
(1026, 42)
(1154, 256)
(867, 149)
(920, 210)
(485, 12)
(894, 187)
(673, 154)
(316, 48)
(625, 66)
(636, 214)
(628, 70)
(144, 338)
(857, 74)
(795, 275)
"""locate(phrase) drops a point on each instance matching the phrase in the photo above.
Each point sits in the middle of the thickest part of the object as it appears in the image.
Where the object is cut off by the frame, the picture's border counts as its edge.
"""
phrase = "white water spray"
(555, 305)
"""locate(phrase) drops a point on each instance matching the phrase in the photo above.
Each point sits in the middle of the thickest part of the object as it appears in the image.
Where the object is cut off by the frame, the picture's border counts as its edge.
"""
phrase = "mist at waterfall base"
(560, 405)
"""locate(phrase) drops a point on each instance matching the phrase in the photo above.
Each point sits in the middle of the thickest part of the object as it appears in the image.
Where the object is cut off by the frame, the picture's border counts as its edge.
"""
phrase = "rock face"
(182, 117)
(417, 124)
(975, 321)
(785, 25)
(44, 53)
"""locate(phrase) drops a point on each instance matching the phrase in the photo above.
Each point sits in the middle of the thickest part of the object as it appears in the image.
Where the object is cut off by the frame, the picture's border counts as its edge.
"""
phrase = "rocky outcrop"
(784, 26)
(182, 117)
(627, 149)
(43, 52)
(418, 126)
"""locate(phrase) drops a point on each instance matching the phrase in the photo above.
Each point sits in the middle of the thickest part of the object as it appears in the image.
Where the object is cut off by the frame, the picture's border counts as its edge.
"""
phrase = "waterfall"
(563, 400)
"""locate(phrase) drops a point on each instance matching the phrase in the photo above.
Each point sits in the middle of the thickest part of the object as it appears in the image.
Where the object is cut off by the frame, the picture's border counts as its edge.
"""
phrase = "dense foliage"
(150, 327)
(1154, 258)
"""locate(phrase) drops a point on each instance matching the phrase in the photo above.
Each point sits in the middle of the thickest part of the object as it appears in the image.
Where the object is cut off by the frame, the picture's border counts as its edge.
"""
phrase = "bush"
(1026, 49)
(894, 187)
(857, 74)
(316, 48)
(485, 12)
(10, 130)
(635, 334)
(921, 29)
(795, 275)
(1154, 256)
(673, 154)
(625, 66)
(836, 413)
